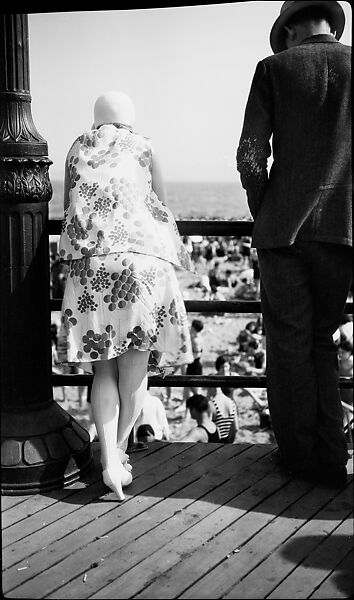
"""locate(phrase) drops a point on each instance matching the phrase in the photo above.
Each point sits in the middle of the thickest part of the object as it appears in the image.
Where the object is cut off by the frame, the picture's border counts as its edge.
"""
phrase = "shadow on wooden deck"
(199, 521)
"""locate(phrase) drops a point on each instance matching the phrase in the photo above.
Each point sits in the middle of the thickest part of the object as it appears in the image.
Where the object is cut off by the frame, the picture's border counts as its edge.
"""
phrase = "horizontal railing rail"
(231, 381)
(213, 306)
(209, 227)
(190, 227)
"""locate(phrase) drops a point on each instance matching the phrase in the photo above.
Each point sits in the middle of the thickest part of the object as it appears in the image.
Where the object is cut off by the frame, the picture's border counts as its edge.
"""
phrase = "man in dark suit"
(302, 228)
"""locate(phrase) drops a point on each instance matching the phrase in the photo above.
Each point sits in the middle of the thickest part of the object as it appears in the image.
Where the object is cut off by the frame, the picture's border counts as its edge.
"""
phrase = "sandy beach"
(219, 337)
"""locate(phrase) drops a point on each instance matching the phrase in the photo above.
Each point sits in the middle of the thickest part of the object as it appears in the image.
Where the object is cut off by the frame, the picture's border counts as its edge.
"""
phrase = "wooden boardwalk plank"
(82, 496)
(248, 492)
(172, 516)
(89, 496)
(272, 499)
(340, 583)
(199, 521)
(324, 557)
(259, 566)
(34, 504)
(8, 502)
(91, 520)
(31, 505)
(212, 586)
(87, 508)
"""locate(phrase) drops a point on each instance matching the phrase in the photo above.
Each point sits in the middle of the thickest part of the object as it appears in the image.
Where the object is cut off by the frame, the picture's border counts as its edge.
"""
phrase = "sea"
(187, 200)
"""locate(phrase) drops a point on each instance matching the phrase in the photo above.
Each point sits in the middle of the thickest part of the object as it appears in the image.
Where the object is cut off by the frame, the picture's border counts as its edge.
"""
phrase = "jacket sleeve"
(254, 147)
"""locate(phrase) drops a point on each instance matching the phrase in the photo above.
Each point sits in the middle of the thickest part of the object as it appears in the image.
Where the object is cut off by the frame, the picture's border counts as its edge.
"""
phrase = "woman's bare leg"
(105, 403)
(105, 407)
(132, 369)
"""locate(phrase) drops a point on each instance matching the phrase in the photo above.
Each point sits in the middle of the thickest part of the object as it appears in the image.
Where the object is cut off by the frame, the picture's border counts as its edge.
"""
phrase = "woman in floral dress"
(122, 309)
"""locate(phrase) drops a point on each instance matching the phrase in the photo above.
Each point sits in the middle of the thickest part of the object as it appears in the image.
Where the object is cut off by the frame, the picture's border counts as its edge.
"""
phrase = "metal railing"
(205, 228)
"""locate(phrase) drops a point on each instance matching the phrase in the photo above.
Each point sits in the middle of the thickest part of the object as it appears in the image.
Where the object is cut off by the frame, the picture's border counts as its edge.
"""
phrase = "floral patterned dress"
(123, 248)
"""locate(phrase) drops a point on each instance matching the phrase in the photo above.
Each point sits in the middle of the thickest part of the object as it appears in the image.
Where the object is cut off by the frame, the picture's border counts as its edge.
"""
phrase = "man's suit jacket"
(301, 96)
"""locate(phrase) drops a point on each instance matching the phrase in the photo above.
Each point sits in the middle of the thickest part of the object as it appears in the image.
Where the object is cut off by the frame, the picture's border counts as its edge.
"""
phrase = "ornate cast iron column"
(42, 447)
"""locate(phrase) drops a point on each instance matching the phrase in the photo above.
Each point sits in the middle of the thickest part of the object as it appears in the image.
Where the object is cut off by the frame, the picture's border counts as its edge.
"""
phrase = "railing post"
(42, 447)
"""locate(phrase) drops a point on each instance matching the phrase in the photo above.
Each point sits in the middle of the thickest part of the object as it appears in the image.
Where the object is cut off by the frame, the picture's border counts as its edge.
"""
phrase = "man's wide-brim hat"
(289, 9)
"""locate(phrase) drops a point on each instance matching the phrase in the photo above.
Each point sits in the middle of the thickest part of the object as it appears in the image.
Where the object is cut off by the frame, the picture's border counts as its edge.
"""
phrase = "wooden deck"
(199, 521)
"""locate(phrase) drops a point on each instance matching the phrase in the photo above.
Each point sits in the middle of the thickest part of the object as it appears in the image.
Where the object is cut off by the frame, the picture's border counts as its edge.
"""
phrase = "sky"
(188, 70)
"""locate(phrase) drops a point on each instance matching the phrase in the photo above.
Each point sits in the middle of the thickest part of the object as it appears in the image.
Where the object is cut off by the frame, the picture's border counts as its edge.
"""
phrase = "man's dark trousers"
(304, 288)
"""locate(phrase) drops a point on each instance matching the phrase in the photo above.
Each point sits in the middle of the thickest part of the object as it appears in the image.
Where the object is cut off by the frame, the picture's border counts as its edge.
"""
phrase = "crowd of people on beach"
(226, 268)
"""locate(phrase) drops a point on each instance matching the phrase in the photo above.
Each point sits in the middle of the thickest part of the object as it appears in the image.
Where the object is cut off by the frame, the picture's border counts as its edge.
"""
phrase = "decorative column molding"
(16, 123)
(42, 447)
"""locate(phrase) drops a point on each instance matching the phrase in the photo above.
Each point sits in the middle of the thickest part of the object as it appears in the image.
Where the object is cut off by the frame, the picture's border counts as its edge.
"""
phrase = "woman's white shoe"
(124, 458)
(116, 478)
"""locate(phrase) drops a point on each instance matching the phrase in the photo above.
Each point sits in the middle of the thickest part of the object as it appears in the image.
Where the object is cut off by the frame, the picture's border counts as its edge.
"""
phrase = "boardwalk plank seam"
(301, 569)
(187, 453)
(250, 449)
(147, 591)
(162, 559)
(41, 502)
(146, 536)
(178, 575)
(19, 528)
(259, 571)
(329, 587)
(203, 450)
(199, 517)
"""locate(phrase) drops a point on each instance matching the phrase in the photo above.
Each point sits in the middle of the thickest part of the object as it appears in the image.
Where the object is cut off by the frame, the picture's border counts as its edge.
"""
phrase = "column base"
(42, 450)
